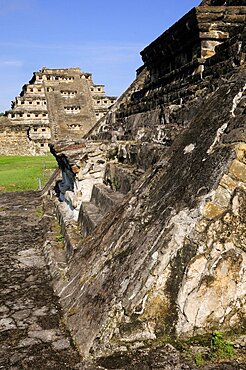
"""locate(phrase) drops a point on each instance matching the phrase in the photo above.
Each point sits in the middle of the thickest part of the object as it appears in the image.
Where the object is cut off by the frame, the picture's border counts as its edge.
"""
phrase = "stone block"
(241, 152)
(228, 183)
(104, 198)
(120, 178)
(212, 210)
(214, 34)
(233, 18)
(89, 217)
(86, 187)
(222, 197)
(207, 53)
(238, 170)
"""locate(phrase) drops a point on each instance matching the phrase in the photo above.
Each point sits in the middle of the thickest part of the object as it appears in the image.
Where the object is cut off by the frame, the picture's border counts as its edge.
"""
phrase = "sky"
(103, 37)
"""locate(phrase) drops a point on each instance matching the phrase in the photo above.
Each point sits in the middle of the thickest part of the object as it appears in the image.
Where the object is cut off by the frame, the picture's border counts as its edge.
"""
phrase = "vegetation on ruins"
(25, 172)
(219, 349)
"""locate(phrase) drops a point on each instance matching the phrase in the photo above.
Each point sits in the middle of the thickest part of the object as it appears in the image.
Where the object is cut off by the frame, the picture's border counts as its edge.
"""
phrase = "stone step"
(121, 177)
(104, 197)
(89, 217)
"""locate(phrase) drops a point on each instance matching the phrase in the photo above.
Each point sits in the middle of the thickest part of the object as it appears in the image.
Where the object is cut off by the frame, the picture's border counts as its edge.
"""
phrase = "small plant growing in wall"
(60, 238)
(57, 233)
(221, 348)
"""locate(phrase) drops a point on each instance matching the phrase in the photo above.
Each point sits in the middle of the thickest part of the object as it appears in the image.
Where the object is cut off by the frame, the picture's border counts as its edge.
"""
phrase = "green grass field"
(22, 172)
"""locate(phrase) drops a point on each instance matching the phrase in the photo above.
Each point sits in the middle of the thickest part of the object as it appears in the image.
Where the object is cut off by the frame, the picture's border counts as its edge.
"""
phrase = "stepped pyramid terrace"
(56, 103)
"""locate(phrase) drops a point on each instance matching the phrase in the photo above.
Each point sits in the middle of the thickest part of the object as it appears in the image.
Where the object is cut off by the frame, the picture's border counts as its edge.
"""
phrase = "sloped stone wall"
(160, 102)
(149, 270)
(167, 262)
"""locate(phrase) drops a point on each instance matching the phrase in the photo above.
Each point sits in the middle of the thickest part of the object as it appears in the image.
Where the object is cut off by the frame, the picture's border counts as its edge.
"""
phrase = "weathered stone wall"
(158, 259)
(166, 261)
(169, 260)
(158, 105)
(89, 163)
(15, 141)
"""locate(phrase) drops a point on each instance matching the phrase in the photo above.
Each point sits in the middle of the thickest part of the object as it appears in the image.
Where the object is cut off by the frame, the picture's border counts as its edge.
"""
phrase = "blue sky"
(103, 37)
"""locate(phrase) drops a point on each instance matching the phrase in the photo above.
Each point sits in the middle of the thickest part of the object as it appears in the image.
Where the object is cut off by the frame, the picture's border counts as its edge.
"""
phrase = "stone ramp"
(31, 332)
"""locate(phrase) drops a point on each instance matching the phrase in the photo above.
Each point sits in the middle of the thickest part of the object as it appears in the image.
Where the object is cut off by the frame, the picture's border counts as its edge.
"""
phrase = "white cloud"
(11, 63)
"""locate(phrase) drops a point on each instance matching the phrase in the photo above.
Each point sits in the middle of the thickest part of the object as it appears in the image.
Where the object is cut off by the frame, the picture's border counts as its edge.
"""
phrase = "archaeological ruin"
(151, 203)
(55, 104)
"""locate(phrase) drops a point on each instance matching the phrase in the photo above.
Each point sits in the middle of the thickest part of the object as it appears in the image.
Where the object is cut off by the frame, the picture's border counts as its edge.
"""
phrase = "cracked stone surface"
(31, 332)
(32, 335)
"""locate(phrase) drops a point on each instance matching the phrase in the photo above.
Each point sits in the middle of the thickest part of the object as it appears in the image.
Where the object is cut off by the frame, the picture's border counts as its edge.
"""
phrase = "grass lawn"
(22, 172)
